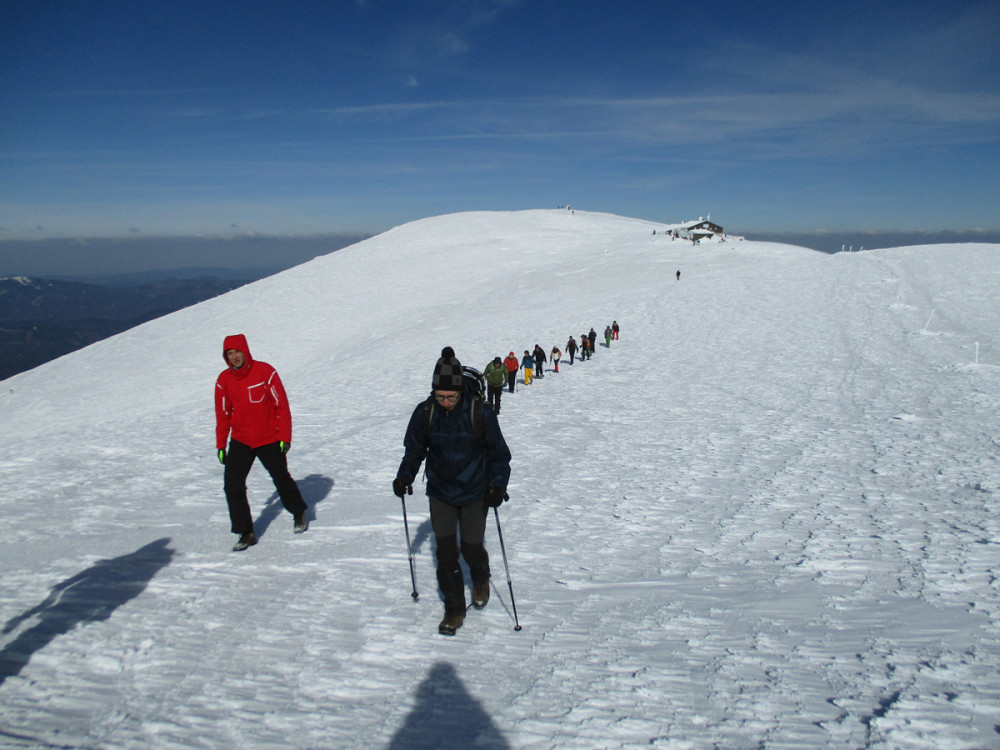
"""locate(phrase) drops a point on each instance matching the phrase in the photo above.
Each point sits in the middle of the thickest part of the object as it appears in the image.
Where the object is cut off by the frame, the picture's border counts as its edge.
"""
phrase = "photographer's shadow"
(446, 717)
(90, 596)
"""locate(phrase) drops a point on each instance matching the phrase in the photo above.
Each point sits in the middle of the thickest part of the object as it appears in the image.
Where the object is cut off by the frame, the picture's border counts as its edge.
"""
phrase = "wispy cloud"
(875, 114)
(448, 31)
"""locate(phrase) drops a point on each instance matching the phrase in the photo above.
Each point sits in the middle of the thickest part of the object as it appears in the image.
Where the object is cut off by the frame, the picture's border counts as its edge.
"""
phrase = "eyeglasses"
(441, 398)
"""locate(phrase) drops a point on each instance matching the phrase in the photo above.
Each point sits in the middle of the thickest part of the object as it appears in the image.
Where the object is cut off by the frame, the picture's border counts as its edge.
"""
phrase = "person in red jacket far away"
(251, 410)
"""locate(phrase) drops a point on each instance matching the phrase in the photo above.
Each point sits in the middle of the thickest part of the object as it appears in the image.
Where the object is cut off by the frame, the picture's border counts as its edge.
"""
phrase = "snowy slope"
(766, 517)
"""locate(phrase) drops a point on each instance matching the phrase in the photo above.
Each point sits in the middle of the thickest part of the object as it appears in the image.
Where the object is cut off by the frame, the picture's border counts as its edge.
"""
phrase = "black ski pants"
(448, 521)
(493, 396)
(239, 459)
(511, 377)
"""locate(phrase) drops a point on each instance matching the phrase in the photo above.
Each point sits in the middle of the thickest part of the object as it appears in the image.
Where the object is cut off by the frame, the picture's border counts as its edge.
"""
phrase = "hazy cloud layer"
(156, 120)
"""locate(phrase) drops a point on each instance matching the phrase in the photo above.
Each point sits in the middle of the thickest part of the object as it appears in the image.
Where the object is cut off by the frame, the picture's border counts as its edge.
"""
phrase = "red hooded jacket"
(250, 402)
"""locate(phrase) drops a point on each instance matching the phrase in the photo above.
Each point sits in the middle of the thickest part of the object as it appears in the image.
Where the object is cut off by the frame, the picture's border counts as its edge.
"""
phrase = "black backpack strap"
(426, 417)
(476, 416)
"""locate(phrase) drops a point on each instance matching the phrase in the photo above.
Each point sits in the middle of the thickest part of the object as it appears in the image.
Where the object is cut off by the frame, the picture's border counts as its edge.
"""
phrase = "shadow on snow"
(314, 489)
(90, 596)
(446, 716)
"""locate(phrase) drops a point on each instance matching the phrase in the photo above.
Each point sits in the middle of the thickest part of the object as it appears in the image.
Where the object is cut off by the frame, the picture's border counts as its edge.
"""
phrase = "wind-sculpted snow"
(765, 517)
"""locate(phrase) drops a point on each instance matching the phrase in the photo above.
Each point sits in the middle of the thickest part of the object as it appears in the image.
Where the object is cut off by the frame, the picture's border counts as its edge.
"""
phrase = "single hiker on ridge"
(496, 376)
(467, 474)
(251, 411)
(512, 365)
(528, 367)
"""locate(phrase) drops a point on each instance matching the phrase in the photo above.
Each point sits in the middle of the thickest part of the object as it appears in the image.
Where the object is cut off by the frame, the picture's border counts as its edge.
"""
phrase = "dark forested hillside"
(41, 319)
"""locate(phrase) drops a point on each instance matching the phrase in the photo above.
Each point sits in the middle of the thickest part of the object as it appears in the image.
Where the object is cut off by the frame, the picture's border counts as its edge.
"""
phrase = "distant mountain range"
(42, 319)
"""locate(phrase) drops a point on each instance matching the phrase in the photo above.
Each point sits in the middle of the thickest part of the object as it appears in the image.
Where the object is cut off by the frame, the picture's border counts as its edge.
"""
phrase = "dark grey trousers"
(448, 522)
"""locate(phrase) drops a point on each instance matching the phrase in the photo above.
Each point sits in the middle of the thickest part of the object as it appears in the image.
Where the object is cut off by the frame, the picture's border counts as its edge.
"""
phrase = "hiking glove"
(401, 487)
(222, 456)
(495, 496)
(283, 446)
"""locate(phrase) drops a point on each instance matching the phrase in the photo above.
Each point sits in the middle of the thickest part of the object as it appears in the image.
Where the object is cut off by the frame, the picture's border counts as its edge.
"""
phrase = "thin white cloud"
(446, 31)
(842, 118)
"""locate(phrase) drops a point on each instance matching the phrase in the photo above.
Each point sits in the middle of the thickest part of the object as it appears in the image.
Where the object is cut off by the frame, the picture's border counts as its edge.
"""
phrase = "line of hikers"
(503, 372)
(467, 459)
(467, 468)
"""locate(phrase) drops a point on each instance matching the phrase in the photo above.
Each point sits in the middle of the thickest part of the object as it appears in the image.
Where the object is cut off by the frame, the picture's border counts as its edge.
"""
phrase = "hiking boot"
(481, 594)
(451, 623)
(301, 524)
(248, 539)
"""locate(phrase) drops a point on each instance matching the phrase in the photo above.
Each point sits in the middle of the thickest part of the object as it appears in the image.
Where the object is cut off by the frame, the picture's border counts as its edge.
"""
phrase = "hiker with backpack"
(539, 354)
(614, 330)
(592, 337)
(496, 375)
(584, 348)
(555, 355)
(512, 365)
(571, 348)
(468, 467)
(528, 365)
(607, 337)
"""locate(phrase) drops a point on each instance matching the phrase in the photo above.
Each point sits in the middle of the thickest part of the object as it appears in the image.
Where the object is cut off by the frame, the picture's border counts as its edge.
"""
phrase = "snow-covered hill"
(766, 517)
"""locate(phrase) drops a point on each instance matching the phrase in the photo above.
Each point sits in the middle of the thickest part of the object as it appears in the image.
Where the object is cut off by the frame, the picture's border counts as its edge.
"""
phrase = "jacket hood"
(236, 341)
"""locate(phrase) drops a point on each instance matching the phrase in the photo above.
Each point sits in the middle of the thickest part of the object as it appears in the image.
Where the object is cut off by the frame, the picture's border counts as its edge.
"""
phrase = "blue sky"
(131, 119)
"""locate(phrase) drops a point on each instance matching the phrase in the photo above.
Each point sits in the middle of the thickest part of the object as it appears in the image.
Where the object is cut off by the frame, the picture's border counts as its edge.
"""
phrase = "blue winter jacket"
(459, 467)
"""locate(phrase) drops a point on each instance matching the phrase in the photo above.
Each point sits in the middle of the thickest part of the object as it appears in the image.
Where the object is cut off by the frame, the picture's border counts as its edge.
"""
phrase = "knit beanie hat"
(447, 372)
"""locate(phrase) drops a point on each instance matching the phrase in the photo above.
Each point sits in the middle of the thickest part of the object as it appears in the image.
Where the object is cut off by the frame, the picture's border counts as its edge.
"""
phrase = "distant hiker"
(467, 474)
(584, 348)
(571, 348)
(251, 410)
(614, 330)
(512, 365)
(555, 355)
(678, 275)
(607, 337)
(528, 367)
(539, 355)
(593, 341)
(496, 375)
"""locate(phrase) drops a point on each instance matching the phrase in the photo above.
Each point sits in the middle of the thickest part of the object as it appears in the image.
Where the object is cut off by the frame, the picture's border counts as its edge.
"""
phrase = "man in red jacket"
(251, 409)
(512, 365)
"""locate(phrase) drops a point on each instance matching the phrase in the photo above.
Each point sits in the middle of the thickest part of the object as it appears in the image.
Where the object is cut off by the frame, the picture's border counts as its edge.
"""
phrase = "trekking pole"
(409, 550)
(510, 586)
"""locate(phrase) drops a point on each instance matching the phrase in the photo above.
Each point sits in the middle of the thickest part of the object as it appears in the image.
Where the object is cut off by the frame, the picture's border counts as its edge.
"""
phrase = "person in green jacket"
(496, 376)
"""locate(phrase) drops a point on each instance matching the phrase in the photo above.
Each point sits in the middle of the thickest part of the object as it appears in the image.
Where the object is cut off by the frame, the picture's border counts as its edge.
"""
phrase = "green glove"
(283, 446)
(222, 456)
